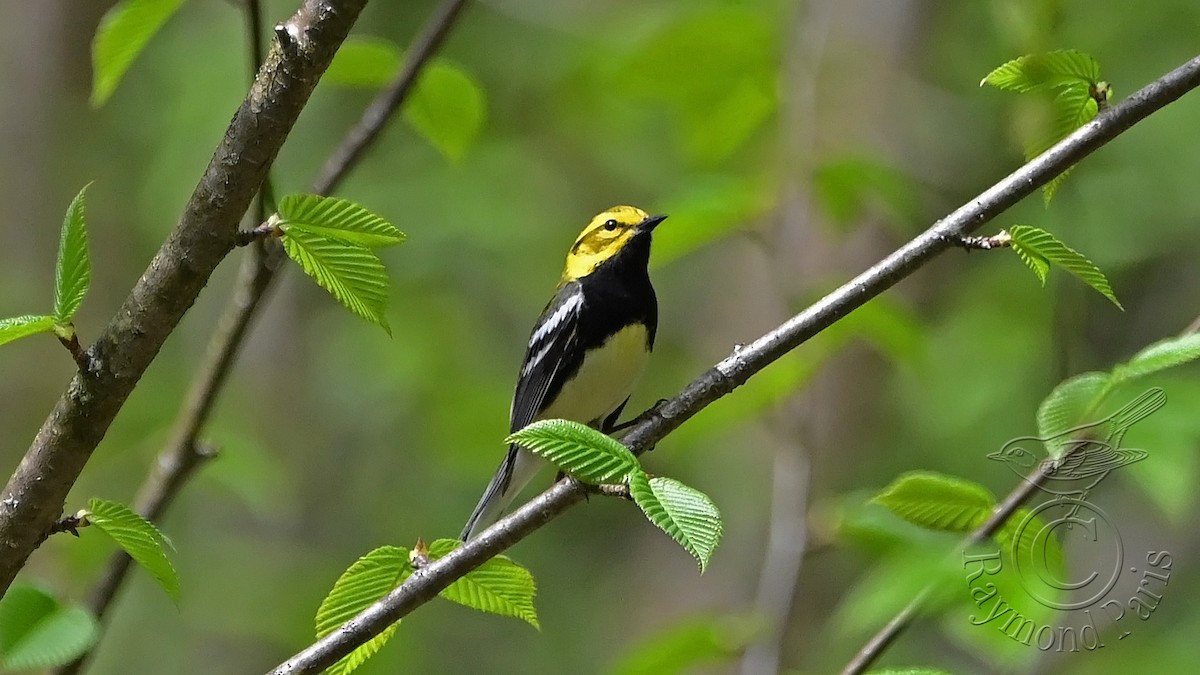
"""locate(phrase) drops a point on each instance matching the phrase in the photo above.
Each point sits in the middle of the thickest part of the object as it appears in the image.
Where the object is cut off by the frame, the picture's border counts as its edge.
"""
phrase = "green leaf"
(123, 33)
(368, 580)
(1072, 403)
(845, 187)
(73, 272)
(937, 501)
(447, 108)
(1041, 72)
(1036, 242)
(1034, 261)
(36, 631)
(1159, 356)
(498, 586)
(686, 646)
(583, 452)
(364, 61)
(353, 274)
(337, 219)
(1073, 107)
(139, 538)
(1074, 76)
(22, 326)
(685, 513)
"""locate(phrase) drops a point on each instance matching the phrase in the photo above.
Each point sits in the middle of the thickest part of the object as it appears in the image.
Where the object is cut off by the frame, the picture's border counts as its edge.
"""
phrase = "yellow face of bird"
(603, 238)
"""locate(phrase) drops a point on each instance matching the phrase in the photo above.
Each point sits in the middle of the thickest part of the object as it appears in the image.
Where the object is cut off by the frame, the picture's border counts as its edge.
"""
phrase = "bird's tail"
(518, 468)
(1133, 412)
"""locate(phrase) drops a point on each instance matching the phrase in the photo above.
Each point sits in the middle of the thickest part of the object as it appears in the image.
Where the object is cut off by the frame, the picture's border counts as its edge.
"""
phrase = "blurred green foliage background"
(793, 144)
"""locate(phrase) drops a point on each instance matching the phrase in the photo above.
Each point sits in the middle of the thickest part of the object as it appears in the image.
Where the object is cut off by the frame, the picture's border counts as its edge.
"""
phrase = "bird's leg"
(651, 412)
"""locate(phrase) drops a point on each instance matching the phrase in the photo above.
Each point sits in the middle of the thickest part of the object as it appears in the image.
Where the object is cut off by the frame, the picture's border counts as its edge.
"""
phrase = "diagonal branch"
(723, 378)
(35, 493)
(898, 623)
(375, 117)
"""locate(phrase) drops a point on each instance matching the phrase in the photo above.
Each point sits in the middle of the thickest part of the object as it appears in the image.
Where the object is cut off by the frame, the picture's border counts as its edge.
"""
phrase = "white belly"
(605, 379)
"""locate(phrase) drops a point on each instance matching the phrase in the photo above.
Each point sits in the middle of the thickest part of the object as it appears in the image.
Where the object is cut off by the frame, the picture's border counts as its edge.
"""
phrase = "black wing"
(551, 357)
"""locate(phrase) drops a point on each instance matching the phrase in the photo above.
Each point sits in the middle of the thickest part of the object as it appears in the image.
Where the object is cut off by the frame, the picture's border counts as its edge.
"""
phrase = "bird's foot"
(650, 413)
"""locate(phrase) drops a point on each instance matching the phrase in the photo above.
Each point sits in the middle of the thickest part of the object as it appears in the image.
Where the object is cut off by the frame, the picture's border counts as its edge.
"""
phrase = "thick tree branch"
(35, 493)
(746, 361)
(184, 452)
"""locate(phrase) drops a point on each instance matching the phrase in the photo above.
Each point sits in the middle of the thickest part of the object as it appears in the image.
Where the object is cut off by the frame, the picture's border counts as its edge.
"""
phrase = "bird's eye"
(610, 225)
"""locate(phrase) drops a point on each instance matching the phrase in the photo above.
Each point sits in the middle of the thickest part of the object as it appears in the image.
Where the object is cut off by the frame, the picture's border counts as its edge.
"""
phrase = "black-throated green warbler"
(587, 349)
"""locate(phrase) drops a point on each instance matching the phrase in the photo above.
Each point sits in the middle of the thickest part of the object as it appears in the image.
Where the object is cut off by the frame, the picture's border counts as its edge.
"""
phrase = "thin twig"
(83, 361)
(376, 116)
(254, 32)
(267, 228)
(1000, 515)
(1002, 240)
(745, 362)
(904, 618)
(70, 524)
(786, 546)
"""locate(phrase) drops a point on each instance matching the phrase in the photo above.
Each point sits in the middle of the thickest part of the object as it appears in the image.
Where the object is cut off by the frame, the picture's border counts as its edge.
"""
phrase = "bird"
(588, 348)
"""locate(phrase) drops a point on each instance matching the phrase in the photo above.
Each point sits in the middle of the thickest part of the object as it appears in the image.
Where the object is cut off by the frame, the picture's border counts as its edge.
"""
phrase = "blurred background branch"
(35, 493)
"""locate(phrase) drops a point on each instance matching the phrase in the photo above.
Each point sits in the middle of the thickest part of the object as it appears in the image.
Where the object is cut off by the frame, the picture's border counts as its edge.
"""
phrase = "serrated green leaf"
(139, 538)
(1041, 72)
(352, 274)
(23, 326)
(1159, 356)
(1033, 260)
(73, 272)
(364, 61)
(683, 512)
(1072, 107)
(1073, 402)
(368, 580)
(937, 501)
(36, 631)
(583, 452)
(447, 108)
(337, 219)
(123, 33)
(498, 586)
(1037, 241)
